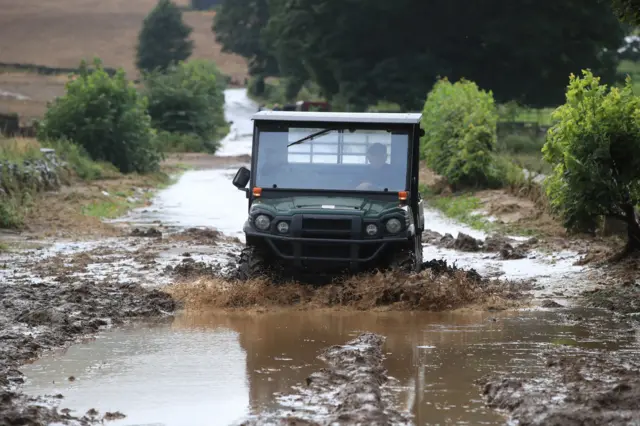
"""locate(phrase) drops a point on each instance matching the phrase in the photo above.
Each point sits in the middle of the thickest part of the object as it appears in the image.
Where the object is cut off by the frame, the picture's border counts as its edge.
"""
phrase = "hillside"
(60, 33)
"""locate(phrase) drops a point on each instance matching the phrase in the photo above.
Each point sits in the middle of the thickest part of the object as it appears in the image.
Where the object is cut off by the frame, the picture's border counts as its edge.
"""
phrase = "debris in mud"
(349, 391)
(440, 267)
(506, 248)
(189, 268)
(623, 299)
(205, 236)
(548, 303)
(149, 233)
(583, 388)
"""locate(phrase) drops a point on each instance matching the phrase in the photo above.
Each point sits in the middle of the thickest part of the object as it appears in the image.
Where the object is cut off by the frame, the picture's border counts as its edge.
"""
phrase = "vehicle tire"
(252, 263)
(409, 258)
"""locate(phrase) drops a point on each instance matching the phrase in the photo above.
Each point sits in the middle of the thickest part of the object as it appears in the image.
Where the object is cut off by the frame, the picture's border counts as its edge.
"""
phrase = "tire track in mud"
(350, 391)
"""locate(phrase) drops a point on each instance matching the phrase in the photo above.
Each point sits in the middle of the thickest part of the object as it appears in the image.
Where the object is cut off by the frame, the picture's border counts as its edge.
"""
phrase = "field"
(61, 33)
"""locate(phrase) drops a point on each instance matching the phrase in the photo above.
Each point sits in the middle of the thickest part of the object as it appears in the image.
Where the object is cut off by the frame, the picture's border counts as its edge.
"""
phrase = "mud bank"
(580, 388)
(351, 390)
(57, 307)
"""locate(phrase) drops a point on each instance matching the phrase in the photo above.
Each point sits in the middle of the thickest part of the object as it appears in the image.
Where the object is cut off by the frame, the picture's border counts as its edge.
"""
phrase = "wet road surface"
(214, 369)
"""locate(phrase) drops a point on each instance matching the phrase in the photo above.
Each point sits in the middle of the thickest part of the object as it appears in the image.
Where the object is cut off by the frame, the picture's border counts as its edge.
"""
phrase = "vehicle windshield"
(356, 159)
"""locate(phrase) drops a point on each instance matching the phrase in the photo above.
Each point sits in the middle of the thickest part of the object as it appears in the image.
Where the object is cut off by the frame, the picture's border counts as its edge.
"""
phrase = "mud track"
(594, 388)
(350, 391)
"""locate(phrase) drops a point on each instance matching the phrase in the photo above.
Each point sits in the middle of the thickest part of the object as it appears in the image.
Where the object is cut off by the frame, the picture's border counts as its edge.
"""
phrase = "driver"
(379, 173)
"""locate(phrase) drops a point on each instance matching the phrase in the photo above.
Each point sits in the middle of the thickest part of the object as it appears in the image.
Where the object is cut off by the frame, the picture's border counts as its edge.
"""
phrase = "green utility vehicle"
(330, 192)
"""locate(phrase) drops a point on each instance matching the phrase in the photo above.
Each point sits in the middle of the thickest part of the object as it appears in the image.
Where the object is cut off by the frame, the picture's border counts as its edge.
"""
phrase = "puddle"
(200, 198)
(215, 369)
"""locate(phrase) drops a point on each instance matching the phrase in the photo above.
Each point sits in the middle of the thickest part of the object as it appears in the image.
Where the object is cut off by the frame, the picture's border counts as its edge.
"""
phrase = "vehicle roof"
(340, 117)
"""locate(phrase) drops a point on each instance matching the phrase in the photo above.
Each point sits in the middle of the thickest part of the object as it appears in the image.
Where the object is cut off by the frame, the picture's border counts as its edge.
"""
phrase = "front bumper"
(341, 239)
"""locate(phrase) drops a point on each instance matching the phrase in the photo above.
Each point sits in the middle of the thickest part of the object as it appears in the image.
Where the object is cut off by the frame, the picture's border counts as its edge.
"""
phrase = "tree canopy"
(595, 150)
(377, 50)
(164, 38)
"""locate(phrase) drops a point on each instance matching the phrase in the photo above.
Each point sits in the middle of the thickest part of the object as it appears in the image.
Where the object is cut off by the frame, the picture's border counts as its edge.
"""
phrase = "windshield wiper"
(311, 136)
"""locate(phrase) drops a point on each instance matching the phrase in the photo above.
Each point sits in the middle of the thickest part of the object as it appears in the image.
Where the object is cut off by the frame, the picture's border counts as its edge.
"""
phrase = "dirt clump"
(350, 390)
(190, 268)
(205, 236)
(582, 388)
(150, 233)
(428, 290)
(505, 248)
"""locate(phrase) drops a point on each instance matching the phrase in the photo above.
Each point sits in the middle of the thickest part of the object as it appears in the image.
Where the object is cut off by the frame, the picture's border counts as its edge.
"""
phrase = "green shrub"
(107, 117)
(460, 134)
(10, 213)
(594, 149)
(188, 102)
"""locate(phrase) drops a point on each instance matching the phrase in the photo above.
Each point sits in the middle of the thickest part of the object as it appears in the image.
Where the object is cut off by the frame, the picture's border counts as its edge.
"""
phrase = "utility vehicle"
(331, 192)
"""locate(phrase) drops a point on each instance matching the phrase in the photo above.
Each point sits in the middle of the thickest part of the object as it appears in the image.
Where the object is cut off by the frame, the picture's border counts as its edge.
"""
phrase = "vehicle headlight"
(371, 229)
(394, 226)
(262, 222)
(283, 227)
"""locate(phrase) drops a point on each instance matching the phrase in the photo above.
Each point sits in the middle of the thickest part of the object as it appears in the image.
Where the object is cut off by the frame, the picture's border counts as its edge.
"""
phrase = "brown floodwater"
(216, 368)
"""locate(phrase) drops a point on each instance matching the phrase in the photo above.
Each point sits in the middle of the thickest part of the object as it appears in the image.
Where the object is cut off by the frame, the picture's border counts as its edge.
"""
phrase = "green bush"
(594, 149)
(107, 117)
(186, 105)
(459, 121)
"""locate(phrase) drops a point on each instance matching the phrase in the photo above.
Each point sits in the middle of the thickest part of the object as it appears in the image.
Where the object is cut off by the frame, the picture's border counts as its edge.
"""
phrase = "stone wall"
(39, 175)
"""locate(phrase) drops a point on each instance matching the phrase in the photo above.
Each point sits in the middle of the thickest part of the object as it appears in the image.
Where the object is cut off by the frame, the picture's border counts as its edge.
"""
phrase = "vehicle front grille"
(326, 228)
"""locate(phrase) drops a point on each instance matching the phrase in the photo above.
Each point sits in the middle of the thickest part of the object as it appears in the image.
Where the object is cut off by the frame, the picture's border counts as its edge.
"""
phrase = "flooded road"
(217, 368)
(214, 369)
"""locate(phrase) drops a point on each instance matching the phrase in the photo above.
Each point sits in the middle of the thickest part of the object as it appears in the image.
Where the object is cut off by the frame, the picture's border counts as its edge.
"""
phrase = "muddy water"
(214, 369)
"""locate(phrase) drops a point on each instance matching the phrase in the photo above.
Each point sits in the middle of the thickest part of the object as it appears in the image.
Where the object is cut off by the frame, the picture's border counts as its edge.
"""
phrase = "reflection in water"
(227, 364)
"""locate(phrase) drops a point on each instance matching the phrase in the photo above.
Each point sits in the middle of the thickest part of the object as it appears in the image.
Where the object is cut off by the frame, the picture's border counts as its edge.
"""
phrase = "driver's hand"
(365, 186)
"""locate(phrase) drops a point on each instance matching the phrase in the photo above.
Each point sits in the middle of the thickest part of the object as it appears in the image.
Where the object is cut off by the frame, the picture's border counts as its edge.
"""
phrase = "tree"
(107, 117)
(164, 38)
(628, 11)
(395, 51)
(238, 26)
(595, 150)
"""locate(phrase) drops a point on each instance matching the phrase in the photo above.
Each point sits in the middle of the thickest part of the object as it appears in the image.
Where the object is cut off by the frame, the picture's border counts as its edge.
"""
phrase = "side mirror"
(241, 179)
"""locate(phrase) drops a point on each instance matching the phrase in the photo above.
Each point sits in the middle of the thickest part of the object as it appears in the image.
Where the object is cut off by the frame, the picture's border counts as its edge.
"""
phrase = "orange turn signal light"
(257, 192)
(402, 195)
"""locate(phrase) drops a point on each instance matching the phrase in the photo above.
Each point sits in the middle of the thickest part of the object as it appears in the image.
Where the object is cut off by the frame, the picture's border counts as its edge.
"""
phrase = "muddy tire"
(409, 258)
(252, 263)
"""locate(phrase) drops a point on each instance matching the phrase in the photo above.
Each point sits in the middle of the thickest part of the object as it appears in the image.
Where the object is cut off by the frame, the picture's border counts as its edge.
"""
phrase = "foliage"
(628, 11)
(459, 121)
(354, 51)
(164, 38)
(107, 117)
(80, 162)
(186, 104)
(595, 151)
(204, 4)
(238, 27)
